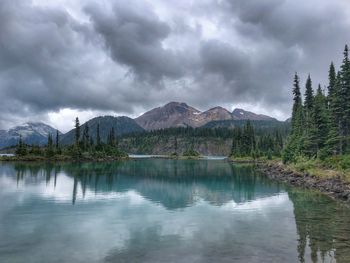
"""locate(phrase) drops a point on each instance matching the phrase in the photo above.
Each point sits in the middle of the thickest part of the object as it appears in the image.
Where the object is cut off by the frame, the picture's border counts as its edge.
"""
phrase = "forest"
(320, 125)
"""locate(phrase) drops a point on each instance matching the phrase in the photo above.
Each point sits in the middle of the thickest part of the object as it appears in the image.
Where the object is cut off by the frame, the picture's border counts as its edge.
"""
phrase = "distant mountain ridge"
(31, 132)
(173, 114)
(122, 125)
(179, 114)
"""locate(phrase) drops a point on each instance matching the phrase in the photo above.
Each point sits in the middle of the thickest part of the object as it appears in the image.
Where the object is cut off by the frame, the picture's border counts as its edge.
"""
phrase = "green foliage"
(21, 149)
(321, 128)
(49, 149)
(77, 131)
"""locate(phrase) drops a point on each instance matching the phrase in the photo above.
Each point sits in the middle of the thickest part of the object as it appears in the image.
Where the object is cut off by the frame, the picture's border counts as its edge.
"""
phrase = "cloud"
(133, 33)
(109, 56)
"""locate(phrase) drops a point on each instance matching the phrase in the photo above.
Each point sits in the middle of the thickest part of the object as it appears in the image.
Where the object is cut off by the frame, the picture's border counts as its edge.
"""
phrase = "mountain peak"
(31, 132)
(240, 114)
(172, 114)
(218, 108)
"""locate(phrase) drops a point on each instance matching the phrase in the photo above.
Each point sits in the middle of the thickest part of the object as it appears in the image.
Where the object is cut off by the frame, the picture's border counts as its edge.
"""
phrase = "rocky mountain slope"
(176, 114)
(173, 114)
(31, 132)
(240, 114)
(122, 125)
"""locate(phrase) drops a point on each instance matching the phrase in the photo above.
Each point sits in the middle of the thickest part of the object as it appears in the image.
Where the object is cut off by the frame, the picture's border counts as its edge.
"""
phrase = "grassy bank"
(331, 167)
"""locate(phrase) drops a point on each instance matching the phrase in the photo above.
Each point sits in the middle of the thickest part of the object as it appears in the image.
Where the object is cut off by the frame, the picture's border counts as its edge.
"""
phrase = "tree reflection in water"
(323, 225)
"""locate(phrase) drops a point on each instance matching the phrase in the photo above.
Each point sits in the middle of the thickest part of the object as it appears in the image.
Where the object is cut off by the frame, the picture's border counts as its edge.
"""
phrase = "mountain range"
(31, 132)
(173, 114)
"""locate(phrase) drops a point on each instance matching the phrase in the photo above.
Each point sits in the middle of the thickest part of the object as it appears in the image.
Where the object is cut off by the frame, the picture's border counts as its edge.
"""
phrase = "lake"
(158, 210)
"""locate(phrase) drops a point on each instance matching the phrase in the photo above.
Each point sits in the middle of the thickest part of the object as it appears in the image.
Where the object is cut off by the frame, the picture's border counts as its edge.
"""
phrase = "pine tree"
(21, 147)
(334, 143)
(321, 120)
(295, 139)
(236, 142)
(49, 147)
(77, 131)
(57, 145)
(309, 146)
(309, 96)
(248, 139)
(57, 140)
(332, 78)
(297, 114)
(345, 99)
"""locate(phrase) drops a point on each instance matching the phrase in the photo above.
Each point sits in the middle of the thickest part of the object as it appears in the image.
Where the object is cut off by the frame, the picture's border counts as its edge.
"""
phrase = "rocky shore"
(335, 187)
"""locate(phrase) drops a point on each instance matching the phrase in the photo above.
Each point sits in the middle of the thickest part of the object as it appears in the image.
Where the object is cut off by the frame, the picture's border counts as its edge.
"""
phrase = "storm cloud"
(93, 57)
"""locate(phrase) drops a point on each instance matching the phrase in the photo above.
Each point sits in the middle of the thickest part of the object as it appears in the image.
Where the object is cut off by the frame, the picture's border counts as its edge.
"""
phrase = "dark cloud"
(134, 35)
(128, 57)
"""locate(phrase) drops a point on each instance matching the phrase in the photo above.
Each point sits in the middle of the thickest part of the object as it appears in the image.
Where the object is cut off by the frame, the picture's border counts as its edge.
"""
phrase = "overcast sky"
(65, 58)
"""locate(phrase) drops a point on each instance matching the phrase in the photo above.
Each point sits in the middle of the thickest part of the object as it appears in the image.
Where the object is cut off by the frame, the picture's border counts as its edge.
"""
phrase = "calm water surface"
(152, 210)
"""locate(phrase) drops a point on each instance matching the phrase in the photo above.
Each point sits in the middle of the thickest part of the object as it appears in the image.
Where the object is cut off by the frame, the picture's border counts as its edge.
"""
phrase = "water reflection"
(323, 227)
(164, 210)
(172, 183)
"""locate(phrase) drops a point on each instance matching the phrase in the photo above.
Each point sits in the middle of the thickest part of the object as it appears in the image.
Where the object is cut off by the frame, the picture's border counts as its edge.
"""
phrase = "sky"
(66, 58)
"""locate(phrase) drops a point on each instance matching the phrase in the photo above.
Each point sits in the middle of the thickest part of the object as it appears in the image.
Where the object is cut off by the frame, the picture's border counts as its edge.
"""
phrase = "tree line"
(321, 119)
(84, 146)
(246, 143)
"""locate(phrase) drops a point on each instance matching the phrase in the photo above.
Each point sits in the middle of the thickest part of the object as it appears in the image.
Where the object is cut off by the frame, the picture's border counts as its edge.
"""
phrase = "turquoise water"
(153, 210)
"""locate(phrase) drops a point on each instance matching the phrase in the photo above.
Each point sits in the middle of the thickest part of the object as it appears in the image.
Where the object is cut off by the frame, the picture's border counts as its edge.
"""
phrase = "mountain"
(32, 133)
(213, 114)
(176, 114)
(240, 114)
(173, 114)
(122, 125)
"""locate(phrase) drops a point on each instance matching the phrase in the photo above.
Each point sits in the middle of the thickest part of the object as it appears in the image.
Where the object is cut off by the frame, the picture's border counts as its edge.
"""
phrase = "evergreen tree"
(332, 78)
(309, 96)
(236, 142)
(77, 131)
(321, 120)
(345, 100)
(309, 146)
(334, 143)
(297, 114)
(248, 139)
(21, 149)
(57, 140)
(49, 147)
(295, 139)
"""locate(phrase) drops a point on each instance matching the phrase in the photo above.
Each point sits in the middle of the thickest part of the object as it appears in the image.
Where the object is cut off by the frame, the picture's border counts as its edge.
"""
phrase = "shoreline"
(335, 186)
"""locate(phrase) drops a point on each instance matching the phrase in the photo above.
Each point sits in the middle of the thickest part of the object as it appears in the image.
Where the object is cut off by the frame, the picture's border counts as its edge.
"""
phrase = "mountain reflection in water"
(156, 210)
